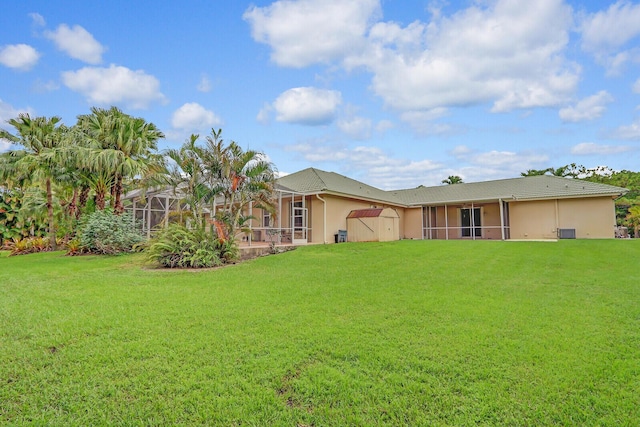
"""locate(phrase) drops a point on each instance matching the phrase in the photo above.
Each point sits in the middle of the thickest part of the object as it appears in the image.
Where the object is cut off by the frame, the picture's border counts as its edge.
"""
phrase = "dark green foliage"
(180, 247)
(626, 179)
(107, 233)
(13, 223)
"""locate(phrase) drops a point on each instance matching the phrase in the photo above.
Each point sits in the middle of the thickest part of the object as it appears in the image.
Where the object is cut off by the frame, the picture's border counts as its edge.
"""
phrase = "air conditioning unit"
(566, 233)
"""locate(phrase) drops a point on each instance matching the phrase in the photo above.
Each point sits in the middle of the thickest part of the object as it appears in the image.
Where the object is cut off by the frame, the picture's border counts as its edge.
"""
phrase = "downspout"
(557, 218)
(324, 218)
(501, 218)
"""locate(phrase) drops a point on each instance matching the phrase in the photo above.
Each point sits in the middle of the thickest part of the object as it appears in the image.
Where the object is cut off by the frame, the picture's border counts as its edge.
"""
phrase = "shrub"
(107, 233)
(27, 245)
(74, 247)
(179, 247)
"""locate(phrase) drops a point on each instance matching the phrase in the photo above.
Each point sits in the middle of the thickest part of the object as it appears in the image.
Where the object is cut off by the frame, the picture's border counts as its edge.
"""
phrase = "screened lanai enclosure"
(152, 209)
(155, 209)
(466, 221)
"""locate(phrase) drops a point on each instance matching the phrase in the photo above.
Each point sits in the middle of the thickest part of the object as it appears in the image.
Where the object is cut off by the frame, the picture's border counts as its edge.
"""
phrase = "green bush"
(104, 232)
(179, 247)
(14, 224)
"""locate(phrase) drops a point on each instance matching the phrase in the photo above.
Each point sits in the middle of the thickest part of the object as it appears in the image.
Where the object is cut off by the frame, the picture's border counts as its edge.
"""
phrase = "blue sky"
(391, 92)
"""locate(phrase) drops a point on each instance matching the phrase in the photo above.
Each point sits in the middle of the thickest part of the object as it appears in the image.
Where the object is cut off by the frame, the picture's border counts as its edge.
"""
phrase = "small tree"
(452, 179)
(633, 219)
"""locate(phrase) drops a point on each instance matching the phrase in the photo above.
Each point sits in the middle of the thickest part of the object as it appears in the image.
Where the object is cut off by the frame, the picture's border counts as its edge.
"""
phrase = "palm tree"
(187, 176)
(240, 177)
(125, 147)
(39, 160)
(452, 179)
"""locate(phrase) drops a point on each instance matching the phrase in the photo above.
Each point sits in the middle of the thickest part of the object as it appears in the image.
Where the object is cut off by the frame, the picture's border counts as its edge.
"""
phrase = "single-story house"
(314, 206)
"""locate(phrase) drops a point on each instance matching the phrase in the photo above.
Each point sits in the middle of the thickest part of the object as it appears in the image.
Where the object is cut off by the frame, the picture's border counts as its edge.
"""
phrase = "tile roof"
(311, 180)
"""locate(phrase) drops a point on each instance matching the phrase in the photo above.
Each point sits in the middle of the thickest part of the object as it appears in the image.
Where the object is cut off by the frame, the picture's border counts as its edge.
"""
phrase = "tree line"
(59, 174)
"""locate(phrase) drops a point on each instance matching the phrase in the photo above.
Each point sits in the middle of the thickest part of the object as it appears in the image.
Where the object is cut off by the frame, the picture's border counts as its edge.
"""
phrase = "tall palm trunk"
(52, 227)
(118, 207)
(72, 209)
(82, 200)
(112, 192)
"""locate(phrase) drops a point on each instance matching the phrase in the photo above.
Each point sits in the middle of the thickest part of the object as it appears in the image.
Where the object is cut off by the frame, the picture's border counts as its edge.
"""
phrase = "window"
(469, 216)
(266, 219)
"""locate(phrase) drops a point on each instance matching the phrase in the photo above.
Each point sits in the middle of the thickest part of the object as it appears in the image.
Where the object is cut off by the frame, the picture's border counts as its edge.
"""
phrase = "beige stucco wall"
(491, 218)
(412, 224)
(592, 218)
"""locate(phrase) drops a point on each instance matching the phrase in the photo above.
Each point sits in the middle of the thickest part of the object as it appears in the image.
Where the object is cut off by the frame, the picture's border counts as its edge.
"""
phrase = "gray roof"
(522, 188)
(310, 181)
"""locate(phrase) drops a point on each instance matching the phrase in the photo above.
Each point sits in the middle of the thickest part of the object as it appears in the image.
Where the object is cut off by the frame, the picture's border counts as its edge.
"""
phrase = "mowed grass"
(401, 333)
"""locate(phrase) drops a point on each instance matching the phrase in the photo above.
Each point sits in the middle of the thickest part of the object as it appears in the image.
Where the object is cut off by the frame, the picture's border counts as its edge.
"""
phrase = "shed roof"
(365, 213)
(373, 213)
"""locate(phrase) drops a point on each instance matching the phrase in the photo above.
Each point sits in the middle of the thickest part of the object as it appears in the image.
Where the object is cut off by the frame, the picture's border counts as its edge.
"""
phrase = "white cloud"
(605, 33)
(19, 56)
(380, 169)
(307, 106)
(384, 125)
(264, 115)
(510, 53)
(591, 148)
(356, 127)
(630, 132)
(589, 108)
(205, 84)
(505, 52)
(37, 19)
(40, 86)
(306, 32)
(193, 117)
(422, 122)
(610, 29)
(636, 86)
(114, 85)
(480, 166)
(77, 42)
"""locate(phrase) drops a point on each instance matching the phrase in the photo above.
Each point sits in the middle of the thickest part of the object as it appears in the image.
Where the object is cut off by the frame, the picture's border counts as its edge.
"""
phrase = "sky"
(393, 93)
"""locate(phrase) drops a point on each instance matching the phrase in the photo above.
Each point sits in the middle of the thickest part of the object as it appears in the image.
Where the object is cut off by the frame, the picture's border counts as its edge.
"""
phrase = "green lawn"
(402, 333)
